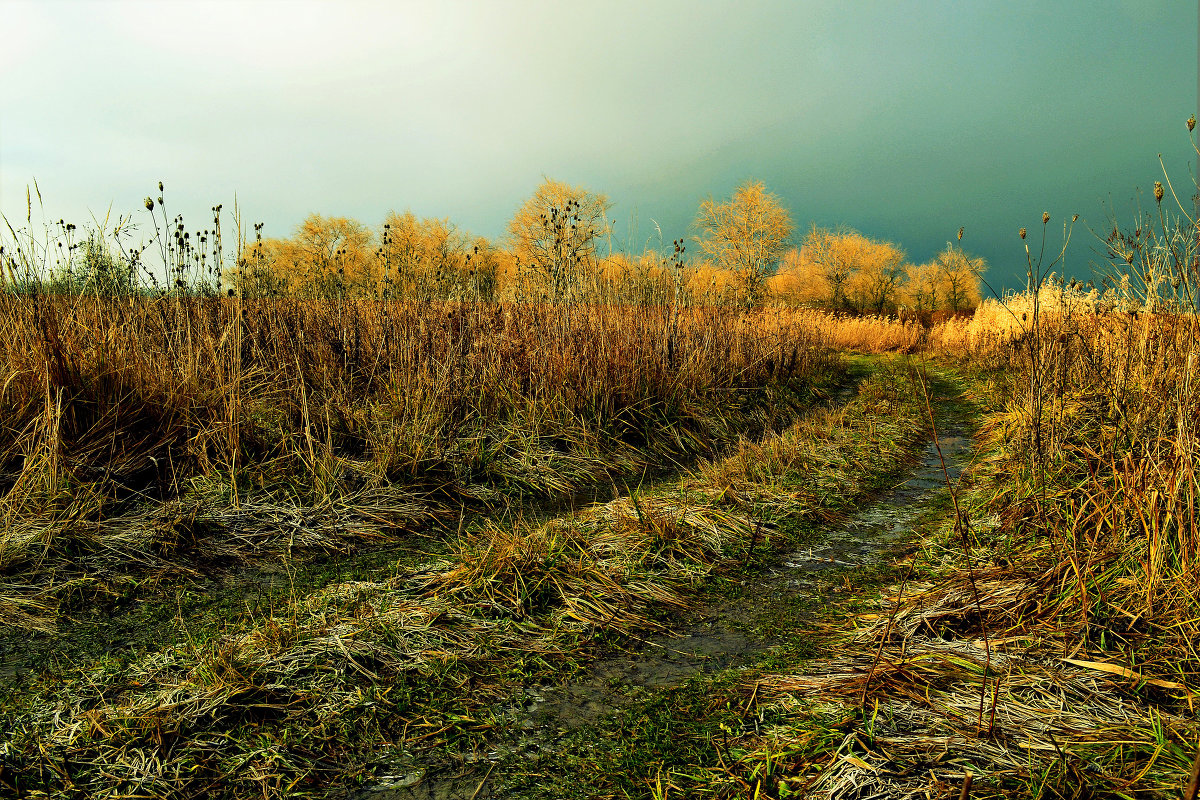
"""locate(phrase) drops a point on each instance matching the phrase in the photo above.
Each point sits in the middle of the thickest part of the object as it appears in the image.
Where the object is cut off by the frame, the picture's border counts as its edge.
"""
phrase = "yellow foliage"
(921, 290)
(554, 237)
(707, 284)
(424, 258)
(325, 256)
(844, 269)
(797, 282)
(746, 235)
(880, 268)
(958, 275)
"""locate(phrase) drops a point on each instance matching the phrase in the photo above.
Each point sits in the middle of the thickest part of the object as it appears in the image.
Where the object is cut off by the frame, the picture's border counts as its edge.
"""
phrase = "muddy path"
(775, 609)
(496, 722)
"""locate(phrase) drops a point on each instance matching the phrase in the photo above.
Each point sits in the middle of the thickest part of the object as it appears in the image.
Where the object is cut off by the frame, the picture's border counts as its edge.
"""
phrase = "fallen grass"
(155, 436)
(298, 701)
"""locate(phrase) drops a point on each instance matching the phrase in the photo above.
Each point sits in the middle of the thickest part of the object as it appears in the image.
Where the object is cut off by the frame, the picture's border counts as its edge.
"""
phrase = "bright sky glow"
(902, 119)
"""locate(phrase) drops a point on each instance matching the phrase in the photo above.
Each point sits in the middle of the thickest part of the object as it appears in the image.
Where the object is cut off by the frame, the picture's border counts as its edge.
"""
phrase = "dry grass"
(1047, 643)
(1049, 647)
(299, 699)
(164, 430)
(1091, 479)
(867, 333)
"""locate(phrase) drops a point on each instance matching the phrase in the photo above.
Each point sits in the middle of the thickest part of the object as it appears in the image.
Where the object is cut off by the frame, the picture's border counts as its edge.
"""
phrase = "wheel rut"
(728, 633)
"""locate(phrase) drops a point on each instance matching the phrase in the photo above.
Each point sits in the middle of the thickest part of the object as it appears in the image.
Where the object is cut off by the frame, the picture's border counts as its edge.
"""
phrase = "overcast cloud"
(905, 120)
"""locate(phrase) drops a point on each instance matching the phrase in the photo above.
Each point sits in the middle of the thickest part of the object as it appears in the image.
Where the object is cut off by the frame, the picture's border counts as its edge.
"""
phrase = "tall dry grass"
(109, 406)
(869, 333)
(1093, 433)
(302, 701)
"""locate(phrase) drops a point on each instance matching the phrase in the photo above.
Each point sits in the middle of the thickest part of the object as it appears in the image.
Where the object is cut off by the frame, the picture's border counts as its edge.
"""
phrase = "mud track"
(729, 633)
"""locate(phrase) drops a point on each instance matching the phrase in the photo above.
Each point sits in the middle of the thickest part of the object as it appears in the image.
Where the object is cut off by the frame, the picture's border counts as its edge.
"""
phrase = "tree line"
(559, 248)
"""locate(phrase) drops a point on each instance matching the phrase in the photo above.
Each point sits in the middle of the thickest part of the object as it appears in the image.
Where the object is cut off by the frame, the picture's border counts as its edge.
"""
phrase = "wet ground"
(729, 633)
(127, 620)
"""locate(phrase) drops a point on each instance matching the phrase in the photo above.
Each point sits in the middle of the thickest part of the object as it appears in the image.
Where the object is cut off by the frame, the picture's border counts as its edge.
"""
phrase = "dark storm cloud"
(904, 120)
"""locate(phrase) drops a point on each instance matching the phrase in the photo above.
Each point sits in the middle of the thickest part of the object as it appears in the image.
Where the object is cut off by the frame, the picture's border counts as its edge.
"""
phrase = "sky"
(903, 120)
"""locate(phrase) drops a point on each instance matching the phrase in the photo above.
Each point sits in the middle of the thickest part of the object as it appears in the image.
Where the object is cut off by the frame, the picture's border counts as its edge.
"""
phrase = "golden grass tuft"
(867, 333)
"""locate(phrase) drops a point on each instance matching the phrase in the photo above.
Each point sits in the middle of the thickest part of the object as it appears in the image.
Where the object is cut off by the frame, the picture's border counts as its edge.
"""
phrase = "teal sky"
(905, 120)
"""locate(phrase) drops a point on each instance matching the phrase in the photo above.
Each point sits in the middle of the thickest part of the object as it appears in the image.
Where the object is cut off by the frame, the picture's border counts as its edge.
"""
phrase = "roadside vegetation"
(1043, 641)
(302, 698)
(177, 433)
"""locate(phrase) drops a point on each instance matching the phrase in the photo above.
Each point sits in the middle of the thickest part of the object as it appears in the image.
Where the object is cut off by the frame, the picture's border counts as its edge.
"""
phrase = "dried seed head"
(149, 203)
(1022, 233)
(1158, 191)
(960, 233)
(1191, 123)
(1045, 217)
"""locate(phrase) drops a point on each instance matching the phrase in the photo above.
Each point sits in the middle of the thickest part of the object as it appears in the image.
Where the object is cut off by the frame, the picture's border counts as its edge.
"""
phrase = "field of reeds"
(312, 694)
(150, 441)
(180, 432)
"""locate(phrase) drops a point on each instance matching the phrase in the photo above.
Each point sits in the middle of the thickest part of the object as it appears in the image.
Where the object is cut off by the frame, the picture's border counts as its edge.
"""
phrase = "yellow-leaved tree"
(843, 269)
(922, 290)
(746, 235)
(835, 257)
(326, 257)
(796, 282)
(880, 270)
(554, 236)
(958, 277)
(424, 259)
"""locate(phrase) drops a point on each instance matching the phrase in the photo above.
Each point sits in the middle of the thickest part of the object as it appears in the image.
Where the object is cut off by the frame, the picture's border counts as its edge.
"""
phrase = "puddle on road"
(721, 636)
(884, 526)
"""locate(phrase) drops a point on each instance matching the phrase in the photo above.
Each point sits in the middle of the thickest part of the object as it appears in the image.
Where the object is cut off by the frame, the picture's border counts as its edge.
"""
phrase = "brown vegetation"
(132, 423)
